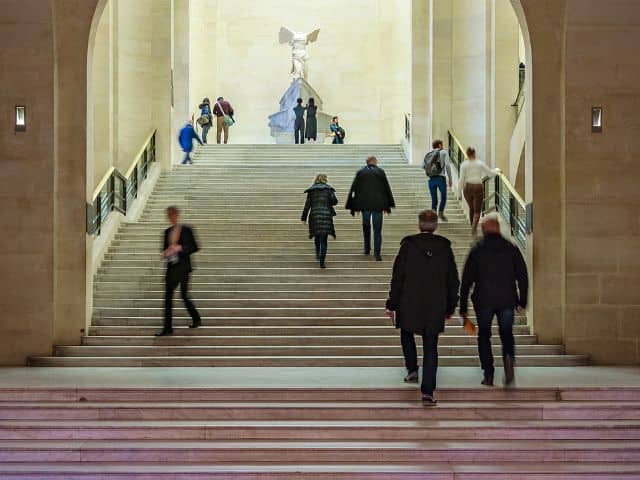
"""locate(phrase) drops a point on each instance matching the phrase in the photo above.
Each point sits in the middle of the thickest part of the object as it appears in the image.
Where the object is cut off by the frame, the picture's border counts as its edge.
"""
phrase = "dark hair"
(206, 100)
(312, 101)
(220, 99)
(437, 143)
(371, 160)
(173, 209)
(428, 221)
(299, 101)
(334, 118)
(471, 152)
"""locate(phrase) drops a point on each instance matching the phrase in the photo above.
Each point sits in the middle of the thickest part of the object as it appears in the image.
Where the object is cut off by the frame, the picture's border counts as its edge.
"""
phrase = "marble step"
(274, 340)
(282, 361)
(451, 333)
(181, 318)
(334, 471)
(298, 349)
(143, 297)
(342, 430)
(486, 451)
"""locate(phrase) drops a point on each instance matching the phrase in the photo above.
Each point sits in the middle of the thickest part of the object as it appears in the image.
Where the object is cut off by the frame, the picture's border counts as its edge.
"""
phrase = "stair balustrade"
(116, 191)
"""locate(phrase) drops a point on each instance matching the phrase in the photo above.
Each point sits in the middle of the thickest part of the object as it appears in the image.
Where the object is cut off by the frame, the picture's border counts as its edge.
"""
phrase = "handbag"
(228, 119)
(204, 120)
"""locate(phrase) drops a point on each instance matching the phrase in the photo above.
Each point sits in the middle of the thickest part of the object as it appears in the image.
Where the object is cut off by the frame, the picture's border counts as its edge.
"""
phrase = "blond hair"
(320, 178)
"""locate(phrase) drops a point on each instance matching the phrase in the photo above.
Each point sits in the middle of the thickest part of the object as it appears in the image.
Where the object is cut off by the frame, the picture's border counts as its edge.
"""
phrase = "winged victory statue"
(299, 56)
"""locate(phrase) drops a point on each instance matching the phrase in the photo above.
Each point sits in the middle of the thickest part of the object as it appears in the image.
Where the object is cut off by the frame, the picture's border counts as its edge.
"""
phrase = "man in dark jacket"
(179, 243)
(371, 194)
(495, 268)
(424, 292)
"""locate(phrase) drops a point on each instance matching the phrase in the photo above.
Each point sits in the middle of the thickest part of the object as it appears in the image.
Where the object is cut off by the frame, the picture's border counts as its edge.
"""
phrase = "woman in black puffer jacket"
(321, 198)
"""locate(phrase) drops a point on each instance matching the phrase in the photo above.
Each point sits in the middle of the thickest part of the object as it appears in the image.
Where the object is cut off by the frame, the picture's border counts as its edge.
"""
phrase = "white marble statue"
(299, 56)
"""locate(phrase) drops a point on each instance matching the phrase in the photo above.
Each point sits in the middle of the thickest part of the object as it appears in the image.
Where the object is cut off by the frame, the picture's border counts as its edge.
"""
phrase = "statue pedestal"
(282, 122)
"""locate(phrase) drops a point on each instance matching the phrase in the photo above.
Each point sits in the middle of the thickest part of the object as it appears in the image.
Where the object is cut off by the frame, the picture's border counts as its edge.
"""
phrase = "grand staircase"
(263, 299)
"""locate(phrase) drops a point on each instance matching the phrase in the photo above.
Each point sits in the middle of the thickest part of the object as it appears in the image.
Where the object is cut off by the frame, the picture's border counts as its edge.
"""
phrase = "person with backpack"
(206, 118)
(319, 211)
(437, 166)
(337, 132)
(498, 274)
(423, 294)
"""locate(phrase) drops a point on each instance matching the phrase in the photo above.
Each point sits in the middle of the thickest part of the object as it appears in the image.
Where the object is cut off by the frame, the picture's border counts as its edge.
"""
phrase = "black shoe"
(509, 376)
(195, 324)
(322, 265)
(378, 258)
(164, 333)
(428, 400)
(366, 254)
(412, 377)
(443, 217)
(487, 381)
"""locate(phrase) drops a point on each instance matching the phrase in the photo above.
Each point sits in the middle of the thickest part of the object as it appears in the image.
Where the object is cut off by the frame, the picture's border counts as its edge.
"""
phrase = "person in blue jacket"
(187, 136)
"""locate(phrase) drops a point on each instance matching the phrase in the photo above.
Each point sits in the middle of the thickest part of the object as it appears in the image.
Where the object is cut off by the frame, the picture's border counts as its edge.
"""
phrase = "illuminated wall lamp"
(21, 118)
(596, 120)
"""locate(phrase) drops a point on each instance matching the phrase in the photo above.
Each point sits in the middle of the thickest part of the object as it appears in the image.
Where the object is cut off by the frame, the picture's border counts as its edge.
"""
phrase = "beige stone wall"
(360, 64)
(602, 219)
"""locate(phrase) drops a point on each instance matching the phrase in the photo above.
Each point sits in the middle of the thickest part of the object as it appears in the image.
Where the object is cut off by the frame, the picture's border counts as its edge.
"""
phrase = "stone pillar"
(180, 61)
(470, 73)
(421, 83)
(442, 67)
(161, 81)
(71, 27)
(505, 40)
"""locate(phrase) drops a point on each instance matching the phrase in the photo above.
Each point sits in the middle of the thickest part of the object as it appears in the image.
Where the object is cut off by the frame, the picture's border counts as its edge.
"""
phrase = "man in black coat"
(179, 243)
(371, 194)
(498, 273)
(424, 292)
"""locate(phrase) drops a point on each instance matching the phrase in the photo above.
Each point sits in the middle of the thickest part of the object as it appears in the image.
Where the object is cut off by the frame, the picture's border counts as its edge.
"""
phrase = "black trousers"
(322, 242)
(506, 318)
(430, 364)
(298, 131)
(172, 280)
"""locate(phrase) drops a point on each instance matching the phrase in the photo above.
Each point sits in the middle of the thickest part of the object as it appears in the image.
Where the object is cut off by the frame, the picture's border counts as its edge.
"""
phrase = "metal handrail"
(407, 127)
(116, 191)
(501, 197)
(457, 152)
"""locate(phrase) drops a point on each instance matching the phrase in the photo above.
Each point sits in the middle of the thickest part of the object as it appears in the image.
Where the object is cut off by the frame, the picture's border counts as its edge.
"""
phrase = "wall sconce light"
(21, 118)
(596, 120)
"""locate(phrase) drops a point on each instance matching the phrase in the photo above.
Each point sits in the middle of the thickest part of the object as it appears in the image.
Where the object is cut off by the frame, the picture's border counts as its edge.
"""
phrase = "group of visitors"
(370, 194)
(222, 112)
(305, 130)
(424, 293)
(425, 286)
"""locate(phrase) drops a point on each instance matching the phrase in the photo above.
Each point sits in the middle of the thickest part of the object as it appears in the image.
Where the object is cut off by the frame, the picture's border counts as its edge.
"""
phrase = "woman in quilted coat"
(318, 213)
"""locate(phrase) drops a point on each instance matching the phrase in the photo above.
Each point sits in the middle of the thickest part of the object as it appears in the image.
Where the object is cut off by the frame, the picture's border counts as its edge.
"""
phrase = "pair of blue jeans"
(506, 318)
(438, 183)
(322, 243)
(367, 218)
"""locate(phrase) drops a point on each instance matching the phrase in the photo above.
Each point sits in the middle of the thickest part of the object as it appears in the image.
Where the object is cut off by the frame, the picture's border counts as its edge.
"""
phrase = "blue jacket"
(187, 136)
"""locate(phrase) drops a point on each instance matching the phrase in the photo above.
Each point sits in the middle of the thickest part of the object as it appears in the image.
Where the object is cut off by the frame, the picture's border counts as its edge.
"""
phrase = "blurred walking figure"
(179, 244)
(224, 119)
(424, 292)
(497, 272)
(206, 118)
(318, 209)
(186, 137)
(437, 166)
(472, 173)
(371, 195)
(298, 126)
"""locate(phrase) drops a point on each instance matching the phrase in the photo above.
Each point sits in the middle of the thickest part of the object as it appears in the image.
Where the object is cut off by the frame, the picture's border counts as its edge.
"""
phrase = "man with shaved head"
(424, 292)
(497, 272)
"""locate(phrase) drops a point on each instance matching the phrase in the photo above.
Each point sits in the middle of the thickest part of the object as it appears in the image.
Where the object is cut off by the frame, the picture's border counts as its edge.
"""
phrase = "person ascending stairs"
(318, 209)
(371, 194)
(179, 244)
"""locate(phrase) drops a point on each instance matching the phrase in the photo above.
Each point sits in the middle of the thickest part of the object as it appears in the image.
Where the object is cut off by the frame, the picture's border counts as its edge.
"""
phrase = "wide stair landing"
(263, 299)
(311, 434)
